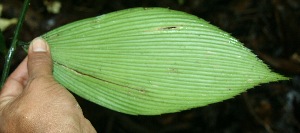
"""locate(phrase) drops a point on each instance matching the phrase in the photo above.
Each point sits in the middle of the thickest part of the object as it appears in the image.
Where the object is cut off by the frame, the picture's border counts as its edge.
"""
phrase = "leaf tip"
(274, 77)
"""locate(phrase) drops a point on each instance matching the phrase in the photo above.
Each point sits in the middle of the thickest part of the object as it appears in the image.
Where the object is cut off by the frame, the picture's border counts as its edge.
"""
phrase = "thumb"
(39, 59)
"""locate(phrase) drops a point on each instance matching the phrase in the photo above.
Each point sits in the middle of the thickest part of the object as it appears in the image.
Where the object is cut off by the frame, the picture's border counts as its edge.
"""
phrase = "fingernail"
(39, 45)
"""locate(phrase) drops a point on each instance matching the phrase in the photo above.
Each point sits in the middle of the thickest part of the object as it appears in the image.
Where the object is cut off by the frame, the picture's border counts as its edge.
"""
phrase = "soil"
(270, 28)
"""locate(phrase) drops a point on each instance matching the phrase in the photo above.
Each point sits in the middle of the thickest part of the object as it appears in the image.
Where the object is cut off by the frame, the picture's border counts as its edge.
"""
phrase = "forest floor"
(270, 28)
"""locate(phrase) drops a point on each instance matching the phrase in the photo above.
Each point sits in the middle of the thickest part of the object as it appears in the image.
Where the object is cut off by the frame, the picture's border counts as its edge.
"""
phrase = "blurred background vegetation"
(270, 28)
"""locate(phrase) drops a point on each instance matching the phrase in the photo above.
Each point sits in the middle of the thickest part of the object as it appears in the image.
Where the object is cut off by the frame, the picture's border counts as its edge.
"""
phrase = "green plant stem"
(13, 46)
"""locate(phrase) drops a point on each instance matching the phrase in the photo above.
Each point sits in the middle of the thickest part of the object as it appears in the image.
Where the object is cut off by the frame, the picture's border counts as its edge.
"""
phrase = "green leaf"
(3, 49)
(149, 61)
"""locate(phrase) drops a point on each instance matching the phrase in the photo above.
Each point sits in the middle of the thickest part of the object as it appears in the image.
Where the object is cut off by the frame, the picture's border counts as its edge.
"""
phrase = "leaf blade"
(153, 61)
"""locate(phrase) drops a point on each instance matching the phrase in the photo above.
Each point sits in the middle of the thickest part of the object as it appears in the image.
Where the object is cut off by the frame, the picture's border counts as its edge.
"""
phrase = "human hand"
(32, 101)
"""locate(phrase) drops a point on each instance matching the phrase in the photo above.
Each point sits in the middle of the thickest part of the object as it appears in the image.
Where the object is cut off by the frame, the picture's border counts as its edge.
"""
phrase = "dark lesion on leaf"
(164, 28)
(168, 28)
(103, 80)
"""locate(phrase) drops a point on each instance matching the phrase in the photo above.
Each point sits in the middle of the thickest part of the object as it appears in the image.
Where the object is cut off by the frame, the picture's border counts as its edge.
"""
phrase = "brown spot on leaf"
(168, 28)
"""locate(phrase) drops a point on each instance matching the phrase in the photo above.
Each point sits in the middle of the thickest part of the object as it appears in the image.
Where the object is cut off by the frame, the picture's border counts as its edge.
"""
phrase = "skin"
(32, 101)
